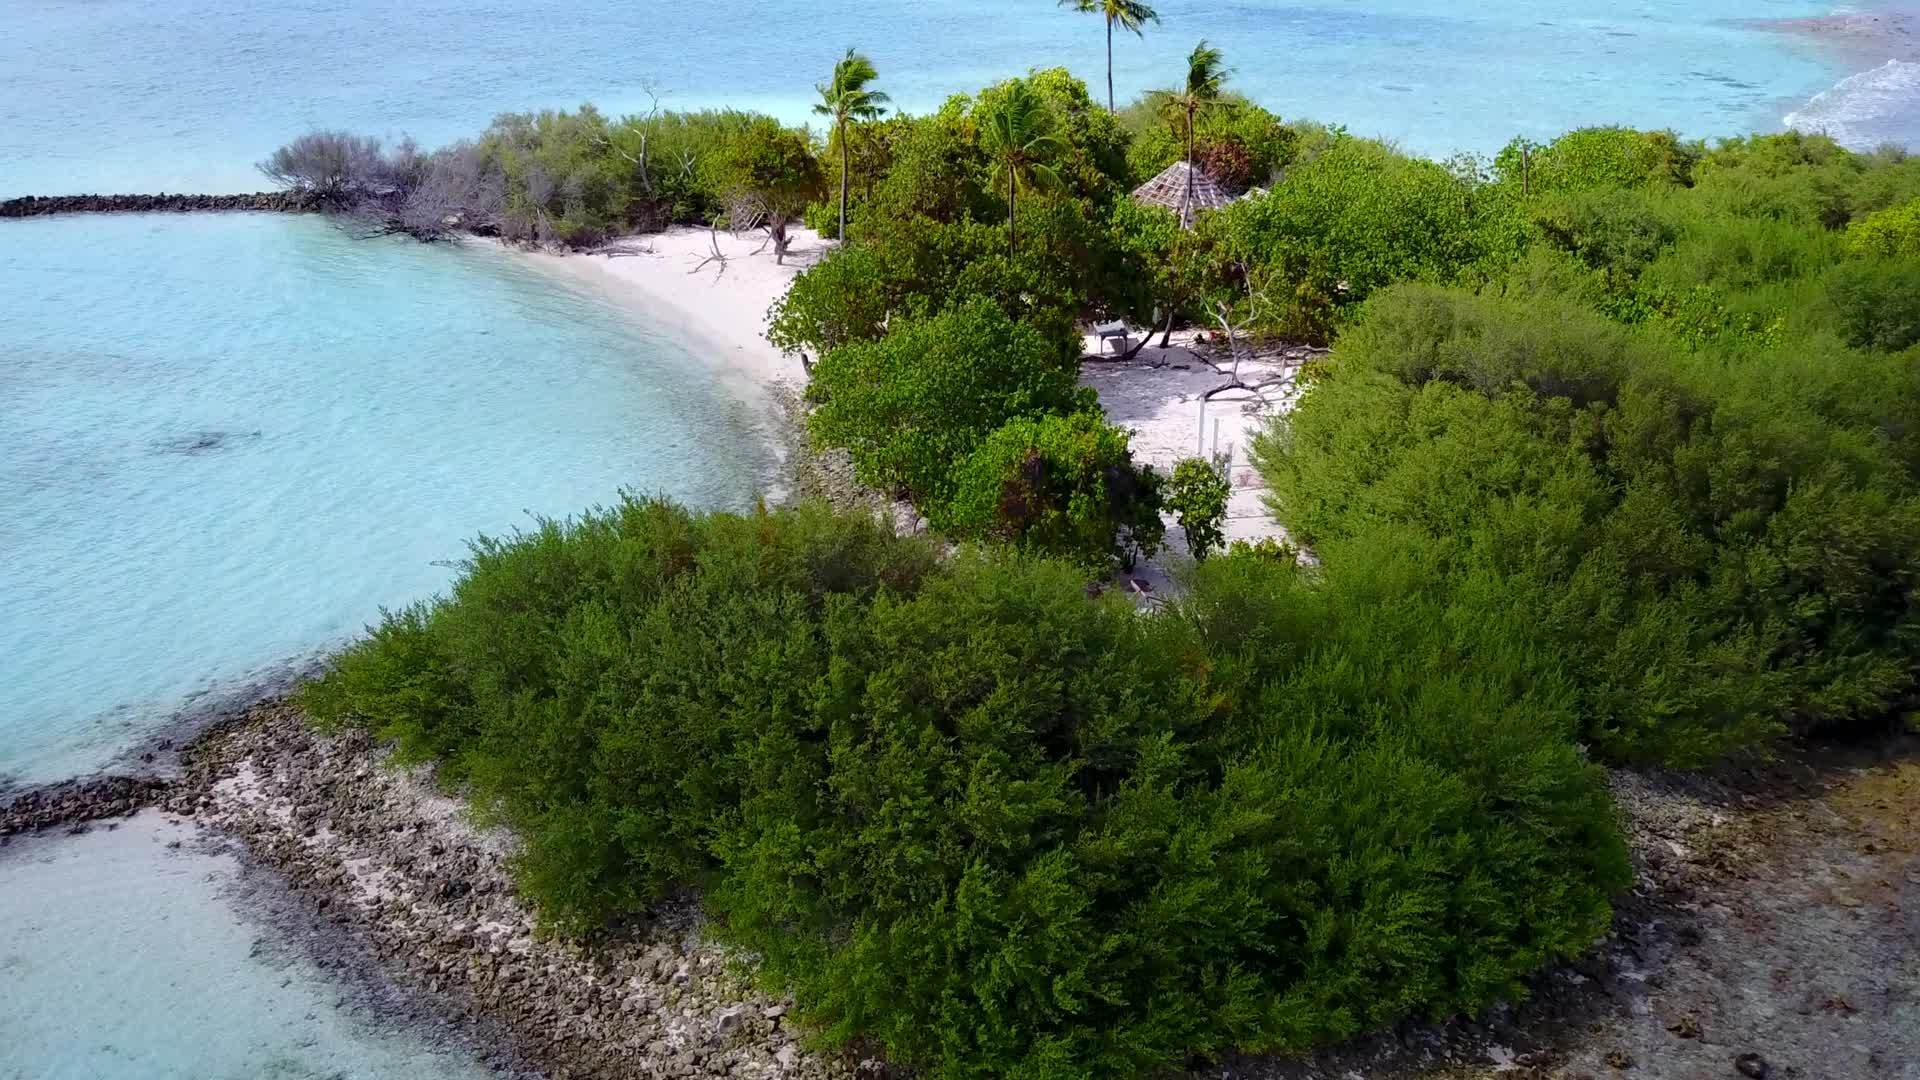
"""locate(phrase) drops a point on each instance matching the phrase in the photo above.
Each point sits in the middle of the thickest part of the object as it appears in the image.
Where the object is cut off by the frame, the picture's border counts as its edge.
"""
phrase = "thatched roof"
(1183, 189)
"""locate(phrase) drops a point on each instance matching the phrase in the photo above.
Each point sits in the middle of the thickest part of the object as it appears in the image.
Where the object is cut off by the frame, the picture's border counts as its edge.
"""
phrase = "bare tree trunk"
(1109, 65)
(1186, 209)
(843, 183)
(1167, 334)
(1012, 178)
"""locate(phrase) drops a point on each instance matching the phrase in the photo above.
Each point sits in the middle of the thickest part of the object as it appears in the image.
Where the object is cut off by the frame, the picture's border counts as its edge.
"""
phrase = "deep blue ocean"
(227, 441)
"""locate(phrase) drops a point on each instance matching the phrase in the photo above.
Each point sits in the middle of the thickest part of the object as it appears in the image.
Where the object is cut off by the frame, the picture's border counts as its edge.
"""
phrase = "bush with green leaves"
(577, 177)
(909, 407)
(1808, 179)
(1719, 549)
(1093, 167)
(1599, 158)
(997, 828)
(1197, 494)
(770, 174)
(918, 268)
(1891, 232)
(1356, 218)
(1058, 485)
(1876, 302)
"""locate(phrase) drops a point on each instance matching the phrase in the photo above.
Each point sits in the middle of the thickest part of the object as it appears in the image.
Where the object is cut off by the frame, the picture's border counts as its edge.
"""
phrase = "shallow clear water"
(186, 94)
(229, 439)
(122, 959)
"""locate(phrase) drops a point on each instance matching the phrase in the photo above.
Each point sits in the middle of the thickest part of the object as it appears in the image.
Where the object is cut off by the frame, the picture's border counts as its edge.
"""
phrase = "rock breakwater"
(280, 202)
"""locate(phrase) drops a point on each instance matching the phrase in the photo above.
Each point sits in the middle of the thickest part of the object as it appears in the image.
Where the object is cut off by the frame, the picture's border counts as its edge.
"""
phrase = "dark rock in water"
(75, 802)
(201, 442)
(282, 202)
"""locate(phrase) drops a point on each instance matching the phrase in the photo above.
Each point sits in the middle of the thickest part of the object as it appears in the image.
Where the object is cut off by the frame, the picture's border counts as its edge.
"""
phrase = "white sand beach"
(719, 305)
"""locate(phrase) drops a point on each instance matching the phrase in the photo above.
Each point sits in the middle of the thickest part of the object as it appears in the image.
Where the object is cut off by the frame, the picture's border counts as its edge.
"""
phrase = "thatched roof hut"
(1183, 189)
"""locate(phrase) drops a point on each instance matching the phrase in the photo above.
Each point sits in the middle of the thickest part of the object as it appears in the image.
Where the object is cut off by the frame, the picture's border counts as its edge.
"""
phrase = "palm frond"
(845, 96)
(1207, 72)
(1129, 15)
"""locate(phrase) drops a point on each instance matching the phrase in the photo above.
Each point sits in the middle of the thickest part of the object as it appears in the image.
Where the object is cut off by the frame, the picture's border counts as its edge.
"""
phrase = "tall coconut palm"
(1017, 133)
(845, 98)
(1126, 14)
(1206, 75)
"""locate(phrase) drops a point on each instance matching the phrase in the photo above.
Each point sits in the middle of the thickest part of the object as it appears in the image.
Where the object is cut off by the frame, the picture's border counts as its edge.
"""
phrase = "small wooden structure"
(1184, 189)
(1110, 331)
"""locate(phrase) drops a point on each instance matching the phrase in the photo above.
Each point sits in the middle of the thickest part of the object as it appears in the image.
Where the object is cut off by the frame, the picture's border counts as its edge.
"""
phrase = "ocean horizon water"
(226, 441)
(185, 95)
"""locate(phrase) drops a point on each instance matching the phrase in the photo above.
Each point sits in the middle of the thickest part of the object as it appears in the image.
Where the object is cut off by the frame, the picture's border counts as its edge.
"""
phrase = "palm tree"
(1126, 14)
(1018, 136)
(845, 97)
(1206, 74)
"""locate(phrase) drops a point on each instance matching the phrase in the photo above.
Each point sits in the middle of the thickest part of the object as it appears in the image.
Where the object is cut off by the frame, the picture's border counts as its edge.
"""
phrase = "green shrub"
(578, 177)
(910, 405)
(1094, 167)
(684, 152)
(917, 268)
(1807, 179)
(1653, 511)
(997, 828)
(934, 169)
(1890, 232)
(1143, 270)
(1354, 219)
(1616, 231)
(1197, 495)
(1058, 485)
(1876, 303)
(1599, 158)
(569, 678)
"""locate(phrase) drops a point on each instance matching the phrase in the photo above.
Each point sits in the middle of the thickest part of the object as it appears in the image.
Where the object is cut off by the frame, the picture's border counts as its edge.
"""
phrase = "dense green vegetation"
(1677, 426)
(1001, 829)
(1616, 460)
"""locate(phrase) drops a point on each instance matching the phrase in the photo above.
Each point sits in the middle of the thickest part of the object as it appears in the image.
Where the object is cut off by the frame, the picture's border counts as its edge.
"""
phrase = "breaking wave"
(1863, 111)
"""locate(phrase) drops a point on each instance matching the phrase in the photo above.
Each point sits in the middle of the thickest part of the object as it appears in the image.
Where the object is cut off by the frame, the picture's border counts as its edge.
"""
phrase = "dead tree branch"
(713, 241)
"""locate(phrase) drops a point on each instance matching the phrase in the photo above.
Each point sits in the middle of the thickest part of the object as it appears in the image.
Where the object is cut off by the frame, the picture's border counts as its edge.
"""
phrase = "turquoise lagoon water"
(229, 439)
(176, 95)
(225, 442)
(121, 959)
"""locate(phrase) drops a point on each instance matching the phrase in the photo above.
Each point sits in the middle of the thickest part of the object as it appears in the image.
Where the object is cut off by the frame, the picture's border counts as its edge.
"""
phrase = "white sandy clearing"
(720, 307)
(1158, 396)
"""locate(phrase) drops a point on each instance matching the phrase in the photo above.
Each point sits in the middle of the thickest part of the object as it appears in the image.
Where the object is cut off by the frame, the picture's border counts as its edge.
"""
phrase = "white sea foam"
(1862, 111)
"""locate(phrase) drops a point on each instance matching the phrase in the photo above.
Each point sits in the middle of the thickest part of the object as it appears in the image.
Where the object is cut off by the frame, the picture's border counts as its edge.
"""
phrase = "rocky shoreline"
(279, 202)
(410, 885)
(1765, 935)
